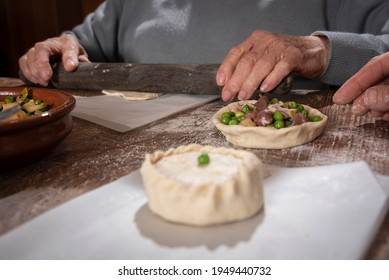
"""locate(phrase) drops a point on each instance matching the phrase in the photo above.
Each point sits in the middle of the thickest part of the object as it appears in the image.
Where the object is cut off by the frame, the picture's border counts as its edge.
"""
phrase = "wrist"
(317, 54)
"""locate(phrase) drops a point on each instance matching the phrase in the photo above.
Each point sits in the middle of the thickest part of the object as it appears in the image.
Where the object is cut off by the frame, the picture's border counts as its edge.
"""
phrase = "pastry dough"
(227, 189)
(267, 137)
(132, 95)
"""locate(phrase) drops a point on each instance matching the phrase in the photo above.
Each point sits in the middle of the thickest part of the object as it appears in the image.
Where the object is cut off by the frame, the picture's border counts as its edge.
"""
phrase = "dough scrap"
(228, 198)
(270, 138)
(132, 95)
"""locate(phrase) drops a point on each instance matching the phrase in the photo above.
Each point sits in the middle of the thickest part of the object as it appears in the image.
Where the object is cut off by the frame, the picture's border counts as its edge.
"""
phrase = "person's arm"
(94, 39)
(264, 59)
(368, 89)
(98, 34)
(358, 31)
(349, 52)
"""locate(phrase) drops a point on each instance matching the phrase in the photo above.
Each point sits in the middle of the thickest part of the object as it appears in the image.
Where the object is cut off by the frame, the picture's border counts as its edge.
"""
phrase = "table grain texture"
(93, 155)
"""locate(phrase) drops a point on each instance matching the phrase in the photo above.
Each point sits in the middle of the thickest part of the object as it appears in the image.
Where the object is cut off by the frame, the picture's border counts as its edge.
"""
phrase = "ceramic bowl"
(27, 140)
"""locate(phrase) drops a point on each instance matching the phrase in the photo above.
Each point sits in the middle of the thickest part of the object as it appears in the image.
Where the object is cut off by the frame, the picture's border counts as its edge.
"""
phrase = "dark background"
(25, 22)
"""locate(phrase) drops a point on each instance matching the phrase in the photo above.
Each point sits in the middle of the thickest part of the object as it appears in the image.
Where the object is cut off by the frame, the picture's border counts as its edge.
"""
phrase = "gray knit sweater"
(202, 31)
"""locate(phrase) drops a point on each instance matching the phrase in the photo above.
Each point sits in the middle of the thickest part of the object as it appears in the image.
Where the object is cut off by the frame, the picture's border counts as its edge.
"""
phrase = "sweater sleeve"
(357, 31)
(98, 33)
(349, 52)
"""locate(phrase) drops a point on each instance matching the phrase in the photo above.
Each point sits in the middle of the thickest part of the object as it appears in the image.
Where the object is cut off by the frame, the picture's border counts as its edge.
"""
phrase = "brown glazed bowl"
(27, 140)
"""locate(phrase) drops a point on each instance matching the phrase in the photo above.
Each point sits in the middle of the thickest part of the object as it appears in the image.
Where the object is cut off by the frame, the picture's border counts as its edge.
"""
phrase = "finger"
(24, 68)
(376, 70)
(258, 75)
(376, 114)
(274, 78)
(247, 76)
(70, 52)
(251, 83)
(385, 117)
(43, 53)
(359, 108)
(83, 58)
(377, 98)
(230, 62)
(30, 62)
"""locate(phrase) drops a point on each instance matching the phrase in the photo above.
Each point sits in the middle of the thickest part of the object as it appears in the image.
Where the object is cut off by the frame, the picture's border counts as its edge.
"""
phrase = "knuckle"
(259, 34)
(234, 85)
(248, 60)
(40, 45)
(68, 37)
(40, 61)
(266, 64)
(236, 51)
(250, 85)
(285, 66)
(22, 59)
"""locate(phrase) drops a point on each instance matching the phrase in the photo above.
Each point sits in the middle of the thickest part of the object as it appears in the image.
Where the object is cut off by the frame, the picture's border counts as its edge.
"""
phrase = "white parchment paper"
(122, 115)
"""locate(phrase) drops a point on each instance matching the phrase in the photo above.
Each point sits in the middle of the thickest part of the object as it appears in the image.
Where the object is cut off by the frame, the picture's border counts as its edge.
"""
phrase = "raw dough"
(132, 95)
(227, 189)
(270, 138)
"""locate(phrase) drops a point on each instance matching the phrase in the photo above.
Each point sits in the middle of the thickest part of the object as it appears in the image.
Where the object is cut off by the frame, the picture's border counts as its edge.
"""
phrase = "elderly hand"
(265, 58)
(36, 63)
(368, 89)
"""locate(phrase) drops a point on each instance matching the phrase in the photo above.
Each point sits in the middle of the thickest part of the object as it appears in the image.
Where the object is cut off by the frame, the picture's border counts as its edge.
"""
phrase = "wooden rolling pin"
(173, 78)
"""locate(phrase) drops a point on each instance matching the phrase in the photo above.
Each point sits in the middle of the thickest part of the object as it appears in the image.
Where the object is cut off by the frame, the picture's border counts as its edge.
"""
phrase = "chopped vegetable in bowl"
(29, 105)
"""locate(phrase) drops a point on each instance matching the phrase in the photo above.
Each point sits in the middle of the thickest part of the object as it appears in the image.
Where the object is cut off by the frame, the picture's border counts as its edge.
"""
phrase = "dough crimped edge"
(239, 197)
(270, 138)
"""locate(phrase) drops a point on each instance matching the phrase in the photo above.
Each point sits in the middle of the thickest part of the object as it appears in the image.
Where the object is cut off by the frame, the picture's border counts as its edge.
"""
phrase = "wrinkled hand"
(265, 58)
(368, 89)
(36, 63)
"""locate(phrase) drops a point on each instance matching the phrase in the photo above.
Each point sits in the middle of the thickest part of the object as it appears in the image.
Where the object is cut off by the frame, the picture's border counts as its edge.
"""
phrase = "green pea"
(233, 122)
(225, 119)
(300, 108)
(292, 104)
(9, 99)
(288, 123)
(203, 159)
(274, 101)
(315, 118)
(227, 114)
(305, 113)
(241, 118)
(279, 124)
(278, 116)
(246, 109)
(239, 114)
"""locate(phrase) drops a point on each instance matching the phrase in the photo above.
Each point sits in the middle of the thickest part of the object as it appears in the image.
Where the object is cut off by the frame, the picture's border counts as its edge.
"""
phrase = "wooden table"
(92, 156)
